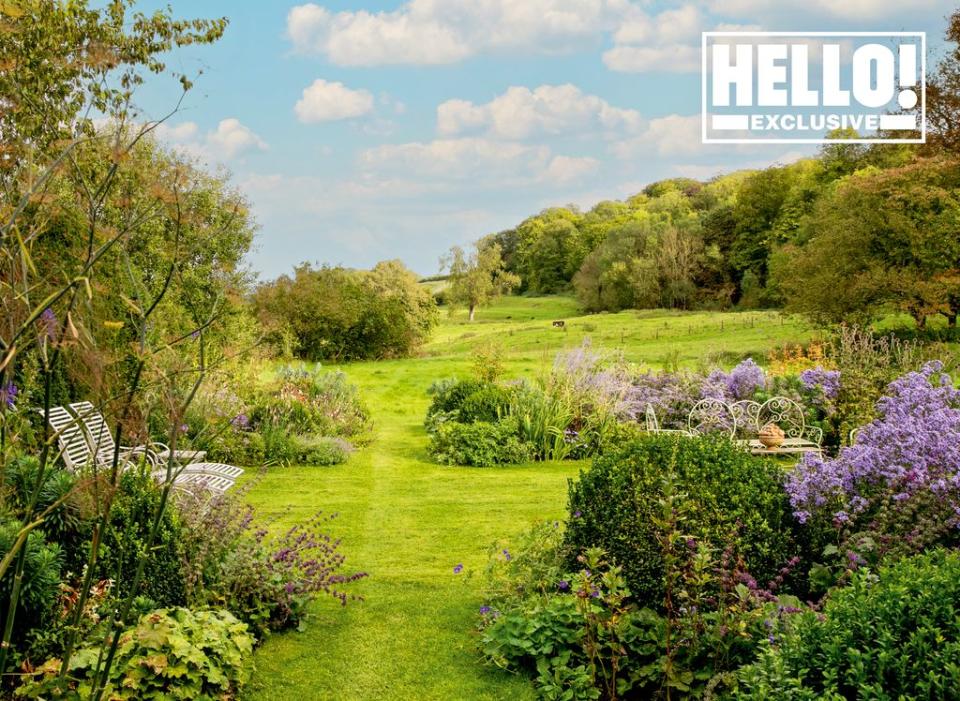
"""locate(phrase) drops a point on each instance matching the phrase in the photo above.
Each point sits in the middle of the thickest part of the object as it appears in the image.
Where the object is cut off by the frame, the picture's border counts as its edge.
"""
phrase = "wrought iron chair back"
(712, 416)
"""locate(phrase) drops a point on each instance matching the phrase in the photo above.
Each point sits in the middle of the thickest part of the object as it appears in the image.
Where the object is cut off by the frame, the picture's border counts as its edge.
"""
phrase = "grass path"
(407, 522)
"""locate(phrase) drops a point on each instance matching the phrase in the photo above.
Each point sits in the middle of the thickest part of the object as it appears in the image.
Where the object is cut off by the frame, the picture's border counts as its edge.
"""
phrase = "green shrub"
(449, 396)
(489, 403)
(125, 543)
(321, 450)
(543, 419)
(169, 654)
(727, 496)
(531, 566)
(312, 400)
(235, 447)
(480, 444)
(890, 635)
(40, 587)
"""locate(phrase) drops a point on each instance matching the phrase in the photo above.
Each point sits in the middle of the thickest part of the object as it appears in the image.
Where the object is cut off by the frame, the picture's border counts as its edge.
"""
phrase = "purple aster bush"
(671, 395)
(907, 456)
(591, 382)
(827, 382)
(745, 380)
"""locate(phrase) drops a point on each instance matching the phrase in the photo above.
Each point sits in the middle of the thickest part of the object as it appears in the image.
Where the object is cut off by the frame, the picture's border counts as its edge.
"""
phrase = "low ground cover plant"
(168, 653)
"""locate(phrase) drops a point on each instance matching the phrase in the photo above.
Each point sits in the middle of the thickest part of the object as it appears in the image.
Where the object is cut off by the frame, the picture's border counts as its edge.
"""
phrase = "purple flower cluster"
(8, 394)
(826, 381)
(673, 395)
(49, 325)
(594, 383)
(913, 447)
(740, 383)
(241, 422)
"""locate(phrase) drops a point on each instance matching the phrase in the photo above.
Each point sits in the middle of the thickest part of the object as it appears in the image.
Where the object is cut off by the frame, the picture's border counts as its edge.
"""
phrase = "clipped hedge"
(723, 492)
(894, 634)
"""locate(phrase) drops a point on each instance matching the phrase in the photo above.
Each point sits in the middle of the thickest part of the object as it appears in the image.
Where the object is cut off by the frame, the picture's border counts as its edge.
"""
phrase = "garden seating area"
(774, 427)
(85, 439)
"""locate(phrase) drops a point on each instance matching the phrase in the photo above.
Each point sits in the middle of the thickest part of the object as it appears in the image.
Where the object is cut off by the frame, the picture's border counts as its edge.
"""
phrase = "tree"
(62, 63)
(342, 314)
(943, 95)
(883, 240)
(478, 278)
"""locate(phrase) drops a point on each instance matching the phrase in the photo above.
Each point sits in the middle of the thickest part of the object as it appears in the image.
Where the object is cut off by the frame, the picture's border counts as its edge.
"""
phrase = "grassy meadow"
(409, 522)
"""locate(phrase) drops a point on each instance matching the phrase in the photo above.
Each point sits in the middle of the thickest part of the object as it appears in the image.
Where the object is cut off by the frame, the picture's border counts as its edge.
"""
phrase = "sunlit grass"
(408, 522)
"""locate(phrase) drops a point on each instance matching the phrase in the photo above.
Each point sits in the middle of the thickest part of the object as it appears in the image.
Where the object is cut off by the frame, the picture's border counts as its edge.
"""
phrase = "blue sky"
(363, 130)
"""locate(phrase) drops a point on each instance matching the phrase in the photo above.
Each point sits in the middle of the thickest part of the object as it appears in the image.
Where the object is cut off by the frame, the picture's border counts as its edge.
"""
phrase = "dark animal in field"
(559, 324)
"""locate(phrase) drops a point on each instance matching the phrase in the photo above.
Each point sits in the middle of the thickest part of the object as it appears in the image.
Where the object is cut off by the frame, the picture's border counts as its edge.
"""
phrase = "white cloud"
(480, 161)
(324, 101)
(179, 132)
(457, 158)
(846, 10)
(547, 110)
(668, 42)
(232, 138)
(229, 140)
(429, 32)
(564, 169)
(642, 59)
(664, 136)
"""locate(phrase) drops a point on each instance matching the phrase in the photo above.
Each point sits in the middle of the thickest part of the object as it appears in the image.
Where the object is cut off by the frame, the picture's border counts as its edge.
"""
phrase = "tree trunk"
(473, 308)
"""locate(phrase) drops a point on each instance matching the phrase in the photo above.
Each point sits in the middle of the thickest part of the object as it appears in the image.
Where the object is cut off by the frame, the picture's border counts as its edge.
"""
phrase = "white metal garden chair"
(712, 416)
(653, 424)
(80, 446)
(789, 417)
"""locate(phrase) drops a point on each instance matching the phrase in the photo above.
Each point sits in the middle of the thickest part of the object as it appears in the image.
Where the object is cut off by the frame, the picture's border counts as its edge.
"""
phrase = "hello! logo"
(801, 87)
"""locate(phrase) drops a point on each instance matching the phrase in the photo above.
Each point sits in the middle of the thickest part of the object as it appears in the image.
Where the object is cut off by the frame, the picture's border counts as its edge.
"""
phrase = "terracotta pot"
(772, 436)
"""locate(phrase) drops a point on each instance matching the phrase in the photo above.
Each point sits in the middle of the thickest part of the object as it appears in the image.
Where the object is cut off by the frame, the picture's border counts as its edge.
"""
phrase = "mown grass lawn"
(408, 522)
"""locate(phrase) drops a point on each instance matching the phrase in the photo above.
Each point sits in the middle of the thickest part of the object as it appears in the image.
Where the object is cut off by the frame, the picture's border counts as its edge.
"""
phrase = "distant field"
(523, 326)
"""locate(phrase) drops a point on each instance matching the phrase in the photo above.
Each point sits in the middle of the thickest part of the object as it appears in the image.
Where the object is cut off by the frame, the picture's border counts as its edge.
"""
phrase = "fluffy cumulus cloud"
(430, 32)
(520, 113)
(229, 140)
(670, 135)
(446, 31)
(666, 42)
(477, 160)
(566, 169)
(324, 101)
